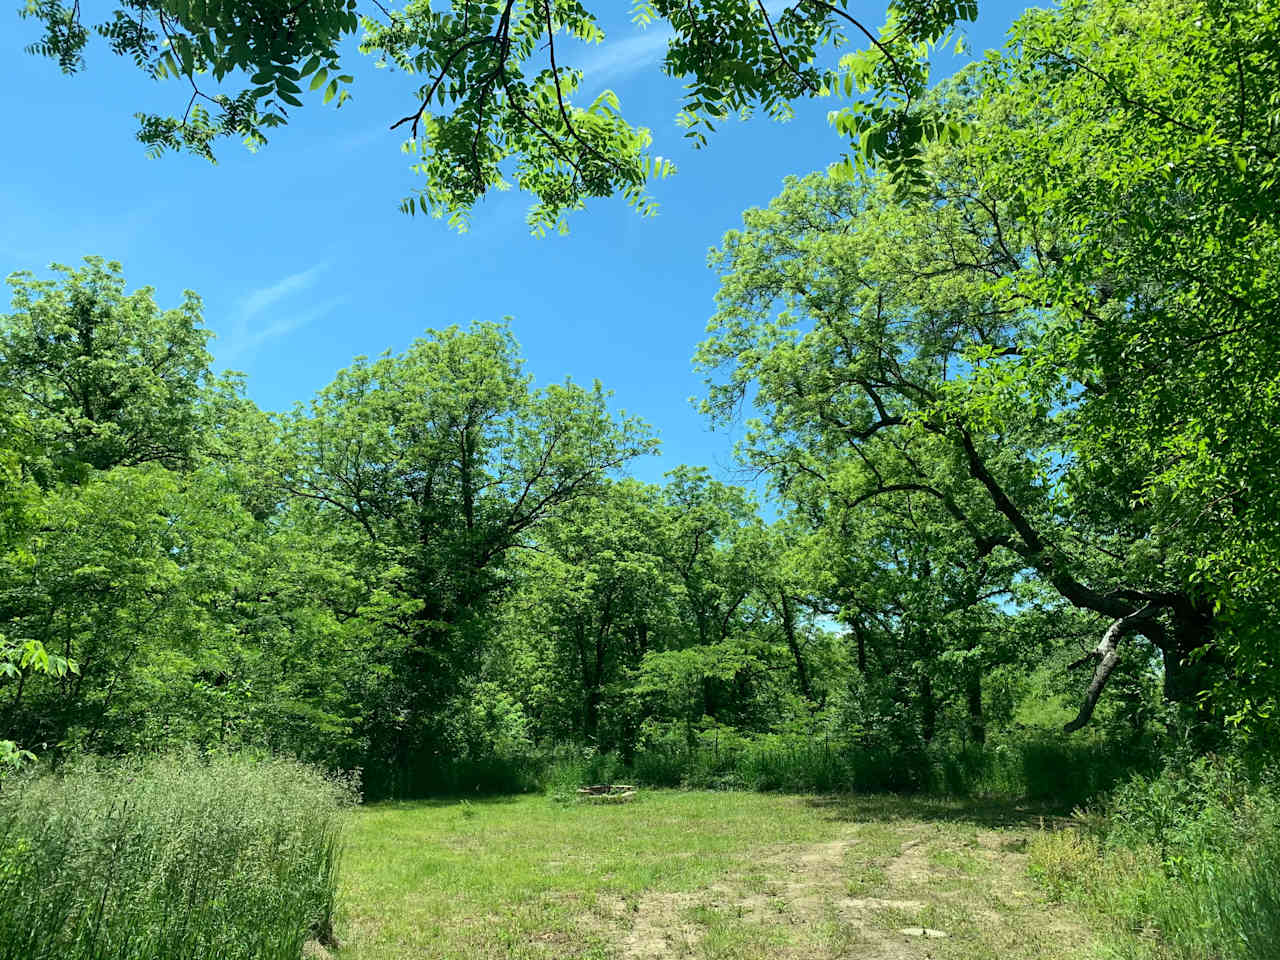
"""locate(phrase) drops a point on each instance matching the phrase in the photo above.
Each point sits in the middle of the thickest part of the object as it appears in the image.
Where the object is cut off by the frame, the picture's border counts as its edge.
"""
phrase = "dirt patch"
(790, 892)
(911, 866)
(942, 896)
(659, 929)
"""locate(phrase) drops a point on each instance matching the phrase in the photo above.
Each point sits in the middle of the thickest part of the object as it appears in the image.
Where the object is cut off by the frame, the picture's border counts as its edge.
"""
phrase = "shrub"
(167, 858)
(443, 776)
(1063, 862)
(1050, 771)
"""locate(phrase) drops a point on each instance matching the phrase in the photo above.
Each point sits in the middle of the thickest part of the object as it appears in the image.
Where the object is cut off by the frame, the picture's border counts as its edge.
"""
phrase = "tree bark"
(1108, 654)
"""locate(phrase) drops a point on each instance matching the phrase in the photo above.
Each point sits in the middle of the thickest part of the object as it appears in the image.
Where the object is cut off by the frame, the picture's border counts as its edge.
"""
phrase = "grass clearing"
(710, 875)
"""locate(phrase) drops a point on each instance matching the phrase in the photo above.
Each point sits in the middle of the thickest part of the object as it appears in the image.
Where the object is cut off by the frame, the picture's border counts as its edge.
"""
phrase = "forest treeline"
(1014, 427)
(437, 561)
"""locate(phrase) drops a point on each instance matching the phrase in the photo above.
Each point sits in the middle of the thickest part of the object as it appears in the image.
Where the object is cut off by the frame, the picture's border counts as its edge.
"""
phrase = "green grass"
(719, 875)
(168, 859)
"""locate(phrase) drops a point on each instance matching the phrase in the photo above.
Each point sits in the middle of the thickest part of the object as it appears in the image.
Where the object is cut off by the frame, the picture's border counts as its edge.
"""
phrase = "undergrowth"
(1046, 770)
(1183, 866)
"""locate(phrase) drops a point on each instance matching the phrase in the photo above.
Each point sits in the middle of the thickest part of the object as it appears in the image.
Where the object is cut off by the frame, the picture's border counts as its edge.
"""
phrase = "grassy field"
(720, 876)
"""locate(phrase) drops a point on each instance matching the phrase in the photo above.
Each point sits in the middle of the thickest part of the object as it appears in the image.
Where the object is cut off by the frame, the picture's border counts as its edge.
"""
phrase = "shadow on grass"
(989, 814)
(844, 808)
(455, 800)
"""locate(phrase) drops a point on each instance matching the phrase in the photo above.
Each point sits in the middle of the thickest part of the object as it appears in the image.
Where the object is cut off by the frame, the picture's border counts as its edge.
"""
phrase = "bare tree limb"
(1108, 652)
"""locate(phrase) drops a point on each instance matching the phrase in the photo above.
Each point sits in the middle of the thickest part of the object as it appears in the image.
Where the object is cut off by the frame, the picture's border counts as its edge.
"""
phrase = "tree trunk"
(928, 710)
(595, 695)
(1188, 665)
(977, 722)
(861, 640)
(591, 718)
(789, 631)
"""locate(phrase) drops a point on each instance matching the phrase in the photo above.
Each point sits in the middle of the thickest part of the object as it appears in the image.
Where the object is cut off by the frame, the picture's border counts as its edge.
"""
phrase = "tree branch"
(875, 41)
(564, 113)
(778, 46)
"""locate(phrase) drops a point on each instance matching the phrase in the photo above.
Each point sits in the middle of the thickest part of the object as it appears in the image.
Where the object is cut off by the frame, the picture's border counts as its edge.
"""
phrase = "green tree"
(99, 408)
(1160, 165)
(664, 605)
(99, 377)
(18, 662)
(429, 469)
(593, 600)
(933, 350)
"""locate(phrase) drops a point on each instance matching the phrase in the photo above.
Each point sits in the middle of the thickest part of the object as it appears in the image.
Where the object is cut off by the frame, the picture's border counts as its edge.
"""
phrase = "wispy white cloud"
(266, 297)
(619, 58)
(614, 59)
(274, 311)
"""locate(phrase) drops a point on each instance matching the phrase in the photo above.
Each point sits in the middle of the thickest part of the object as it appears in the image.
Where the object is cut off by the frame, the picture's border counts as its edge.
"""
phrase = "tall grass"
(169, 858)
(1052, 771)
(1220, 907)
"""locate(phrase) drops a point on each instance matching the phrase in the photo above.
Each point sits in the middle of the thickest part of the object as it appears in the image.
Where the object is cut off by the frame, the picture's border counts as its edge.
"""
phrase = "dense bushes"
(1185, 865)
(438, 775)
(1047, 770)
(168, 858)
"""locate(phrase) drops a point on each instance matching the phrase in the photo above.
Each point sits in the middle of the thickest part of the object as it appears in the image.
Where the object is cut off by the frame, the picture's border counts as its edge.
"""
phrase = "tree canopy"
(491, 98)
(1039, 349)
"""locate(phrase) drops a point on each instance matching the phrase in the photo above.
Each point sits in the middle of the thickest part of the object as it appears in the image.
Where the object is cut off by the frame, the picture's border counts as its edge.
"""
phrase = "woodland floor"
(716, 876)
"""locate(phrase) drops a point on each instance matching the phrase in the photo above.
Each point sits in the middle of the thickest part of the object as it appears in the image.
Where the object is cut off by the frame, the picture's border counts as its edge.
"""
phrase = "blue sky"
(304, 261)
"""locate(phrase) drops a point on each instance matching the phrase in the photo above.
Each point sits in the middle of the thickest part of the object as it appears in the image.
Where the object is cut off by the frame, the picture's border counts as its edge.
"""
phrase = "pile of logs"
(607, 793)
